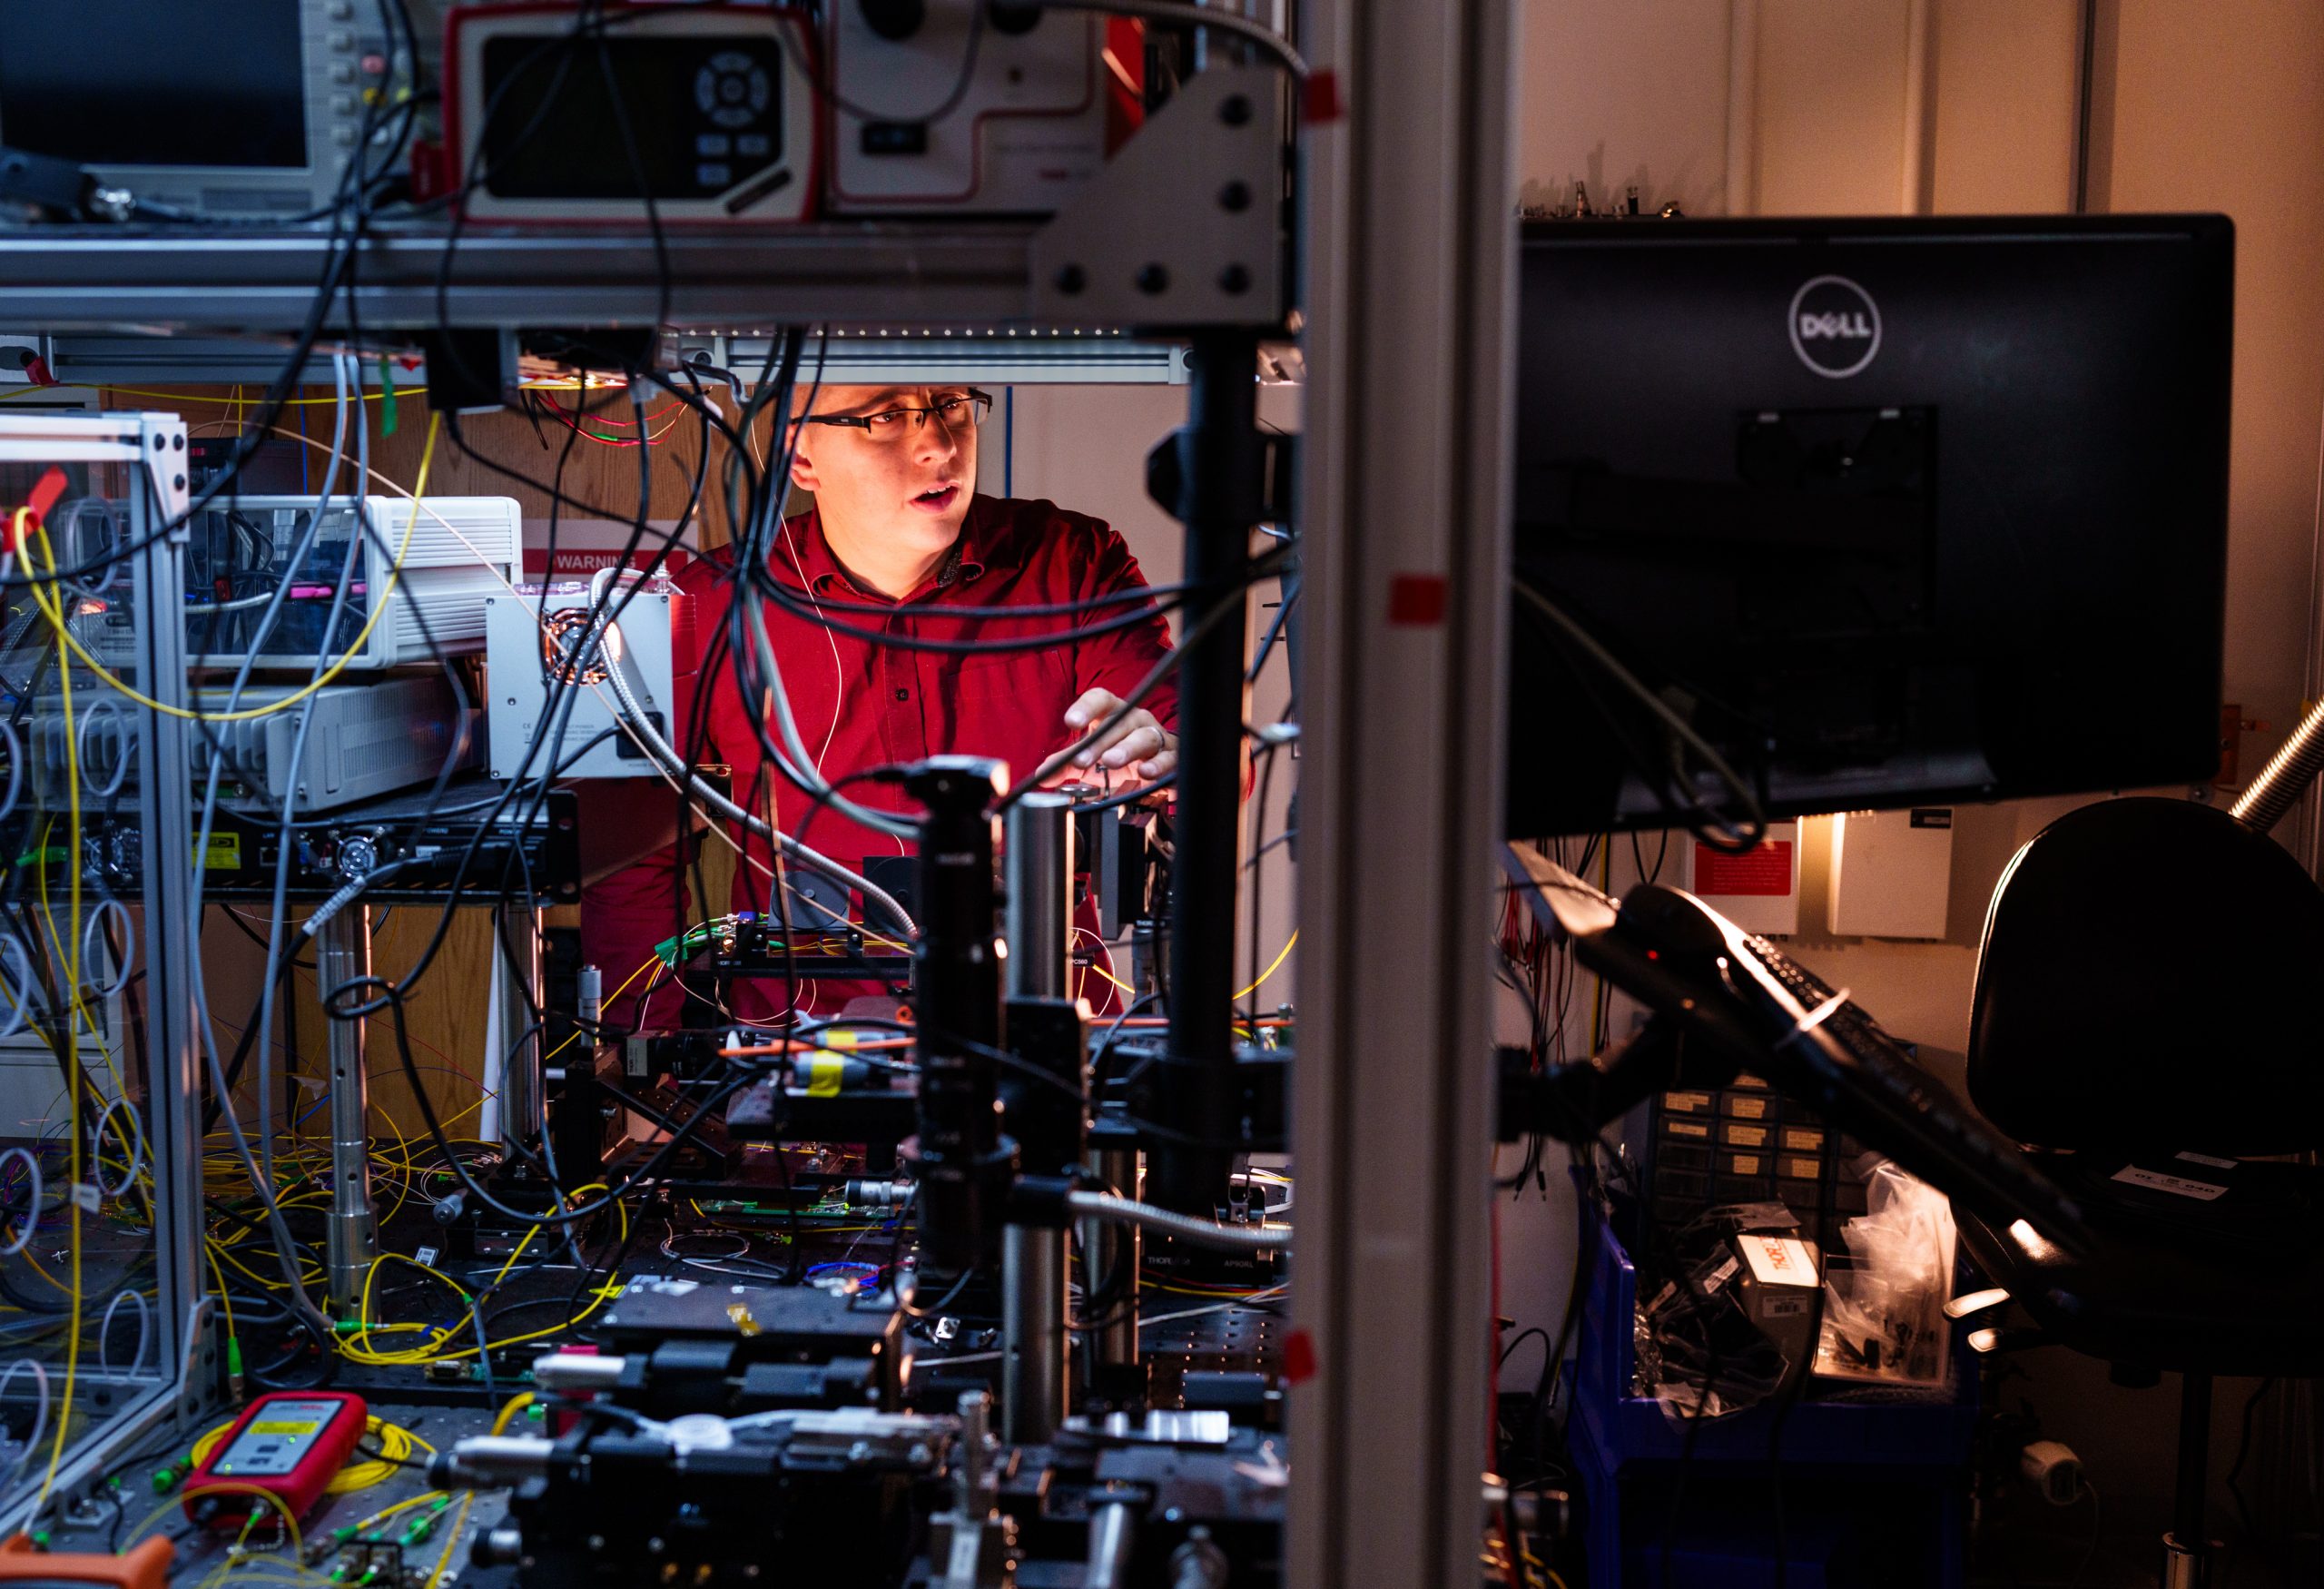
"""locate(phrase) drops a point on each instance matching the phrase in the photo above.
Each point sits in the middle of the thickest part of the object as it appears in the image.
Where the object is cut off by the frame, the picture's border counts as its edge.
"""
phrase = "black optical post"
(965, 1163)
(1217, 465)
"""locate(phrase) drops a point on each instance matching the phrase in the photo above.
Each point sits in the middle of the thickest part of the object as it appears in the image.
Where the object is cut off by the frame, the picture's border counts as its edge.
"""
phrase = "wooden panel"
(444, 1014)
(603, 477)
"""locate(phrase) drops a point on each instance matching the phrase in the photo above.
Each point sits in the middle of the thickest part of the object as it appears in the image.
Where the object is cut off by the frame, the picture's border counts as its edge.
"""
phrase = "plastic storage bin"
(1875, 1487)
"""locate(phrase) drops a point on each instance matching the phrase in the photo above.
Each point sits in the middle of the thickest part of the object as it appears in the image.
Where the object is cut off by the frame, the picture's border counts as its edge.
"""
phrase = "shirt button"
(903, 695)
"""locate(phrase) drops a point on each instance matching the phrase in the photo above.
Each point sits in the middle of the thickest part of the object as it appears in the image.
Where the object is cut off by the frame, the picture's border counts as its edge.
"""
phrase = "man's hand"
(1137, 748)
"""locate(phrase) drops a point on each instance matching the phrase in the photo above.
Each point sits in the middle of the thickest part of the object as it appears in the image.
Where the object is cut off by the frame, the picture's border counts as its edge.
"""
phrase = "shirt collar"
(811, 557)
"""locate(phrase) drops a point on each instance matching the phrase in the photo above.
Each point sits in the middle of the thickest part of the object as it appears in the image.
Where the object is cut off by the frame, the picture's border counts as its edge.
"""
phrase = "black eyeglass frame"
(980, 401)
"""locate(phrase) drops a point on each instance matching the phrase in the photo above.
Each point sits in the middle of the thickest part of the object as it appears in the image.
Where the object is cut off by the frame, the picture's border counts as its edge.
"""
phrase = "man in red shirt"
(897, 526)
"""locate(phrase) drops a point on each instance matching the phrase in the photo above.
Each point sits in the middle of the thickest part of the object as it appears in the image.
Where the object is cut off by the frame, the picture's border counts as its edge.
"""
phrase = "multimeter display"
(277, 1440)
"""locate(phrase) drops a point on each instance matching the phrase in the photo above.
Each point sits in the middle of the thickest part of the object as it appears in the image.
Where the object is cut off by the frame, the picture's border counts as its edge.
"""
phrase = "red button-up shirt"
(859, 704)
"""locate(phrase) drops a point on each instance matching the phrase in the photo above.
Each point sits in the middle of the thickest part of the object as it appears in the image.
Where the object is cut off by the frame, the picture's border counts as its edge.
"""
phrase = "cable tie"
(1812, 1020)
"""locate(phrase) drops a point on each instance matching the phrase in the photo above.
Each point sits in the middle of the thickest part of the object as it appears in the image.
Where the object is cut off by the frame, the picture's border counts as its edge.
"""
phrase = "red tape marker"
(1416, 601)
(1298, 1357)
(1319, 101)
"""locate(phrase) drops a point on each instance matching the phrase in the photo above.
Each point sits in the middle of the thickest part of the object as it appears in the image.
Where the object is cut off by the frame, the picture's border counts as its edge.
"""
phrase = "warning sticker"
(224, 854)
(1764, 870)
(2203, 1190)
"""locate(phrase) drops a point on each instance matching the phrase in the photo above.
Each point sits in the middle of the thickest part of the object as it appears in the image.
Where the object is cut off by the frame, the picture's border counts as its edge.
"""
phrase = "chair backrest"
(2149, 980)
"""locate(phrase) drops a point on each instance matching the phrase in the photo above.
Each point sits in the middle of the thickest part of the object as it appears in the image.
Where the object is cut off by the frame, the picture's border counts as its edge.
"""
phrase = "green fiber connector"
(348, 1326)
(40, 857)
(235, 1355)
(166, 1476)
(40, 1539)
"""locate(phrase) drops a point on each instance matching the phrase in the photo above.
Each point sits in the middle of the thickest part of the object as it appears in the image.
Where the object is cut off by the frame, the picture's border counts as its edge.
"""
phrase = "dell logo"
(1835, 326)
(1812, 326)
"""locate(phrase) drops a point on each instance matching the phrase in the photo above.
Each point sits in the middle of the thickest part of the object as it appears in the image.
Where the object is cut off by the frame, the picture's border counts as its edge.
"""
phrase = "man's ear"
(802, 467)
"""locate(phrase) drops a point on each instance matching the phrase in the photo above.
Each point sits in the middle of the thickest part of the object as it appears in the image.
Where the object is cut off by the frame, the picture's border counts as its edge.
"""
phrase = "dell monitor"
(1884, 512)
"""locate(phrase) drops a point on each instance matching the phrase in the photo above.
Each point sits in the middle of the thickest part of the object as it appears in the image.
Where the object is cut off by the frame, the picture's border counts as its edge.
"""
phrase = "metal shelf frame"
(259, 280)
(1051, 356)
(1400, 223)
(1155, 242)
(1411, 288)
(116, 1409)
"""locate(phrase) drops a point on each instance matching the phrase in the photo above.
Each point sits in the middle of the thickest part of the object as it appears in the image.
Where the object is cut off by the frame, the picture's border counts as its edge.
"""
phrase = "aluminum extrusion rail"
(260, 280)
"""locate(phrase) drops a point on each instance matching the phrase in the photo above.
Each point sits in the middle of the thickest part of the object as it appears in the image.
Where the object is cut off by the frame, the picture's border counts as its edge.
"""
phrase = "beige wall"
(2005, 80)
(2220, 106)
(1615, 95)
(1809, 99)
(1831, 98)
(1812, 105)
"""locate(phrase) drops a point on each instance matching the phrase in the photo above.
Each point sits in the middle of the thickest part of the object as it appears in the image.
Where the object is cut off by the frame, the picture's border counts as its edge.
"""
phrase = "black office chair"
(2146, 1022)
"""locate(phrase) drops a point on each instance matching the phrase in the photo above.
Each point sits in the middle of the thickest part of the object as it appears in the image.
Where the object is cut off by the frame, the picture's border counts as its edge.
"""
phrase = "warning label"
(1764, 870)
(224, 854)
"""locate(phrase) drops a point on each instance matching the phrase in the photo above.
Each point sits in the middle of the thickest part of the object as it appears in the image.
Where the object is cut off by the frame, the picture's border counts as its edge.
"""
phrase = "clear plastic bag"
(1884, 1309)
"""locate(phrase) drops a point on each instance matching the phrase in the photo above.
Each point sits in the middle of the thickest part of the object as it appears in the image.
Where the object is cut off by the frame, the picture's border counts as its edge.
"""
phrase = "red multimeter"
(291, 1444)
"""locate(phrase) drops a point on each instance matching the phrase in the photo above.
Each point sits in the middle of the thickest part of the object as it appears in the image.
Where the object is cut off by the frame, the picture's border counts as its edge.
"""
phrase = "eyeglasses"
(955, 409)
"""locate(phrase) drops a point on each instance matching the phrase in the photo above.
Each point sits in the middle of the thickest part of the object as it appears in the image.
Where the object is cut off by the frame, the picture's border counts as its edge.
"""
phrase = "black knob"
(498, 1547)
(1013, 20)
(894, 19)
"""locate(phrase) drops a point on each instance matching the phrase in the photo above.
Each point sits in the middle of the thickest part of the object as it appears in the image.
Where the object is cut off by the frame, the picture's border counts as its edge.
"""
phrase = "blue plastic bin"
(1872, 1490)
